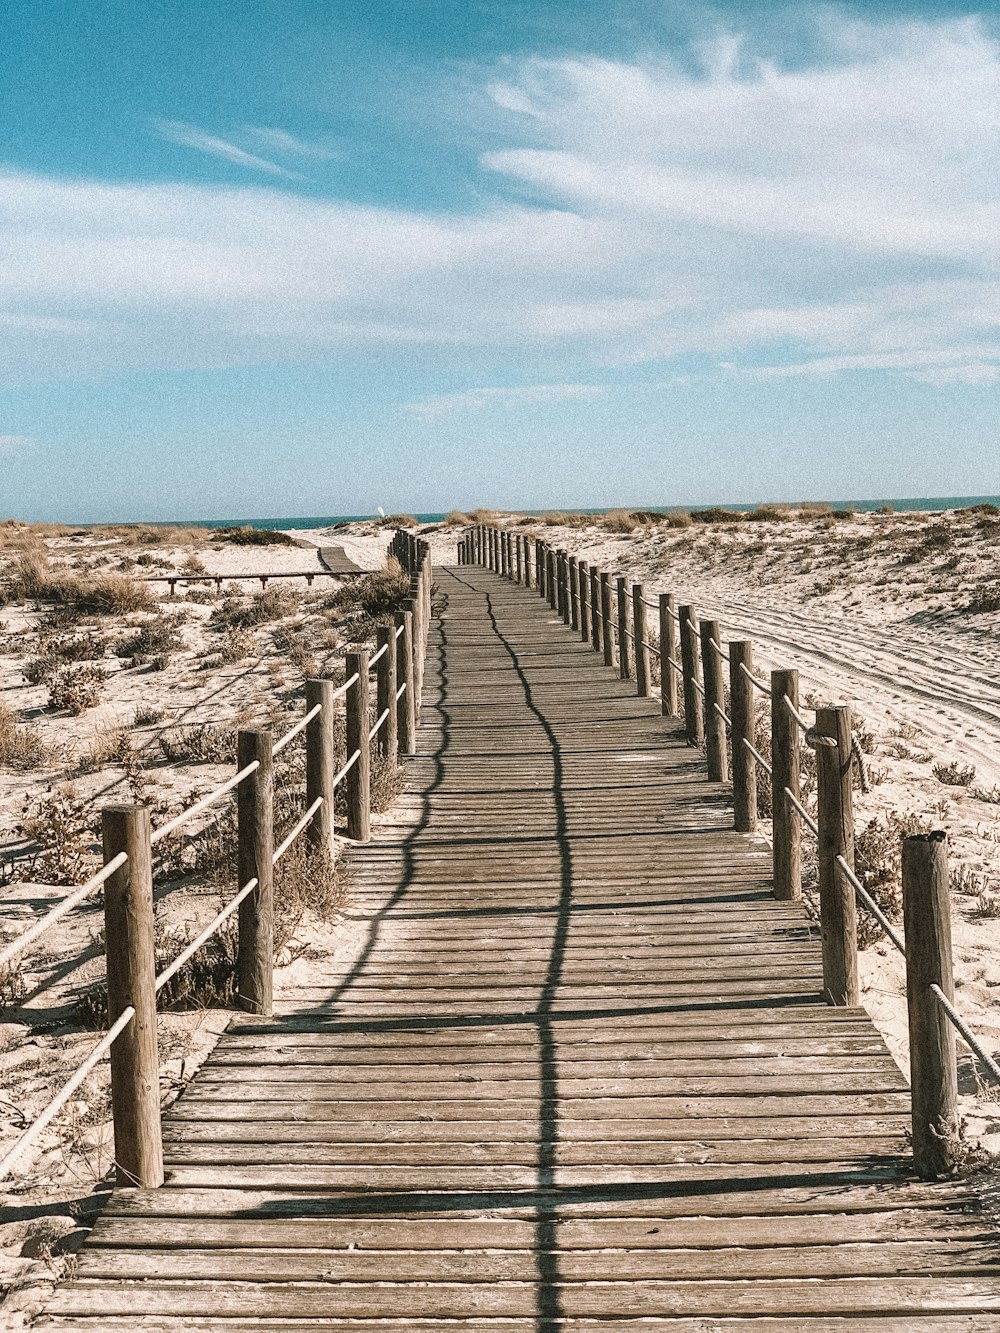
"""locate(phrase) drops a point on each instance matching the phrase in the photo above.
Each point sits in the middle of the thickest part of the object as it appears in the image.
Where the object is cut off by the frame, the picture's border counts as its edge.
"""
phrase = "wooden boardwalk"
(578, 1075)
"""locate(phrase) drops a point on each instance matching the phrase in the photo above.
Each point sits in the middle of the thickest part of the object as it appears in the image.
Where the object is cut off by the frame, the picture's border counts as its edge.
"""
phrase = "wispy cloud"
(11, 444)
(476, 400)
(188, 136)
(280, 141)
(813, 220)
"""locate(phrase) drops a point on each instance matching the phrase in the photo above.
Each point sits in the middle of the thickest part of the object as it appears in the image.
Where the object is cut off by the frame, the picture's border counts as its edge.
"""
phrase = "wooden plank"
(577, 1075)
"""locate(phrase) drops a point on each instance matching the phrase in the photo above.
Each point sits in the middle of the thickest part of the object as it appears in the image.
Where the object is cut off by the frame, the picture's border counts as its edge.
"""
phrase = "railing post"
(837, 906)
(415, 606)
(933, 1070)
(405, 716)
(583, 591)
(540, 566)
(320, 763)
(528, 580)
(669, 684)
(255, 820)
(506, 554)
(624, 660)
(131, 962)
(551, 576)
(565, 587)
(359, 774)
(715, 701)
(741, 705)
(387, 739)
(519, 553)
(786, 835)
(574, 590)
(596, 624)
(641, 631)
(607, 633)
(694, 720)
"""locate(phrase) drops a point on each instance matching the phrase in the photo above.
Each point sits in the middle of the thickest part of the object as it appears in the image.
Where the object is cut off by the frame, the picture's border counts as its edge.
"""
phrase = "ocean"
(329, 520)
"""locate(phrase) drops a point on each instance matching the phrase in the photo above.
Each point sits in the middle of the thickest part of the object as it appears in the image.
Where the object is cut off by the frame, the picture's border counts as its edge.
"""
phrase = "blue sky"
(312, 258)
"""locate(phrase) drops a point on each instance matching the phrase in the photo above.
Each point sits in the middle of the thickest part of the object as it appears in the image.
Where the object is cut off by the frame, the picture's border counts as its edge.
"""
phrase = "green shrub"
(245, 536)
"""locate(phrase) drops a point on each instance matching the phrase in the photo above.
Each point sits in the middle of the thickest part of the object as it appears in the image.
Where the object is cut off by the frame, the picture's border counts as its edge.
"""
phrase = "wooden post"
(933, 1070)
(551, 576)
(669, 675)
(506, 555)
(564, 586)
(596, 624)
(320, 763)
(641, 631)
(583, 575)
(694, 718)
(741, 705)
(414, 604)
(255, 821)
(519, 552)
(528, 580)
(624, 659)
(715, 701)
(359, 774)
(786, 835)
(540, 566)
(837, 907)
(387, 740)
(131, 962)
(574, 589)
(607, 633)
(405, 715)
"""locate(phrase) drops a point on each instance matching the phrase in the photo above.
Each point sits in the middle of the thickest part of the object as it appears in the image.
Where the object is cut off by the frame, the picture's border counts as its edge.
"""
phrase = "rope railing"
(18, 945)
(180, 820)
(804, 814)
(139, 1155)
(721, 713)
(300, 726)
(962, 1028)
(799, 719)
(189, 952)
(761, 685)
(45, 1117)
(758, 756)
(283, 847)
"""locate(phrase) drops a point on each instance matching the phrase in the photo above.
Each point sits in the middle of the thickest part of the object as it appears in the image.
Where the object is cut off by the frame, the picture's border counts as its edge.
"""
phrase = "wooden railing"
(693, 669)
(127, 875)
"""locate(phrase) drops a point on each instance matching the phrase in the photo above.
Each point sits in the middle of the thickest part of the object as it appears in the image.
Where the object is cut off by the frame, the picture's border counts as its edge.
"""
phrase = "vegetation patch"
(244, 536)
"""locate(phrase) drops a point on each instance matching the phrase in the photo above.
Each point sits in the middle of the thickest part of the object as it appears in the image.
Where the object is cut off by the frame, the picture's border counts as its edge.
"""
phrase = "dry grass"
(400, 521)
(456, 519)
(104, 594)
(21, 748)
(65, 831)
(200, 744)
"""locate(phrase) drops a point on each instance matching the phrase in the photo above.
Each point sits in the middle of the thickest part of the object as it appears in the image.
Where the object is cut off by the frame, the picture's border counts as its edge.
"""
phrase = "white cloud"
(176, 131)
(837, 217)
(476, 400)
(10, 444)
(280, 141)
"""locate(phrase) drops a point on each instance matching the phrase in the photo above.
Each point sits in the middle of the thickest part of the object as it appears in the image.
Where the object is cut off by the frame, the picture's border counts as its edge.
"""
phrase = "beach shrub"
(400, 521)
(878, 851)
(678, 518)
(245, 536)
(63, 827)
(199, 744)
(717, 515)
(377, 594)
(103, 594)
(985, 599)
(456, 519)
(76, 689)
(158, 636)
(771, 513)
(271, 604)
(61, 649)
(955, 774)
